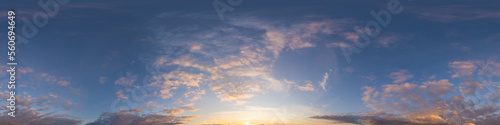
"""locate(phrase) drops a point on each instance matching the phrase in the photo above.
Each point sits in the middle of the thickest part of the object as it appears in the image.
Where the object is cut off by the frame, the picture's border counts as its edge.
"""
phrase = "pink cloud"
(400, 76)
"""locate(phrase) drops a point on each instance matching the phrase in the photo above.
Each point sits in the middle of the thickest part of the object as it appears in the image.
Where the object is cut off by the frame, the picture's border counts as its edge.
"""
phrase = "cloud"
(323, 83)
(173, 111)
(462, 48)
(103, 79)
(472, 101)
(126, 80)
(378, 118)
(339, 45)
(23, 70)
(238, 102)
(384, 40)
(296, 36)
(307, 87)
(42, 110)
(120, 95)
(52, 79)
(471, 87)
(400, 76)
(175, 79)
(236, 66)
(369, 77)
(194, 95)
(189, 107)
(40, 79)
(490, 67)
(431, 102)
(130, 117)
(463, 68)
(454, 13)
(349, 69)
(387, 40)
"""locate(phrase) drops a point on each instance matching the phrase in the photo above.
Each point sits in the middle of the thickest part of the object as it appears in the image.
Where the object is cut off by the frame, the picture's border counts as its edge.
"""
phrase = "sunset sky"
(293, 62)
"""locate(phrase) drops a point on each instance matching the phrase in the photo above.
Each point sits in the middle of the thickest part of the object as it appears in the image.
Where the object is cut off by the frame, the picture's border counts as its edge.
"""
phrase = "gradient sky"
(266, 62)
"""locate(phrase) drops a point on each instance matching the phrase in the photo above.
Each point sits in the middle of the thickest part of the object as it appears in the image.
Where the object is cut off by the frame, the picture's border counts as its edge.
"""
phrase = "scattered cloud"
(237, 66)
(175, 79)
(120, 95)
(400, 76)
(40, 110)
(430, 102)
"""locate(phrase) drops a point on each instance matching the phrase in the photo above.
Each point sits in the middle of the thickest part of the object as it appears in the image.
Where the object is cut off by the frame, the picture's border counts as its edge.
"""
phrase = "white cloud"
(323, 83)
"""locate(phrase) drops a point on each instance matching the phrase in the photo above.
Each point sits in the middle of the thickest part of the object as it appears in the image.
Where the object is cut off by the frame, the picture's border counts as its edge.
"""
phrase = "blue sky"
(266, 62)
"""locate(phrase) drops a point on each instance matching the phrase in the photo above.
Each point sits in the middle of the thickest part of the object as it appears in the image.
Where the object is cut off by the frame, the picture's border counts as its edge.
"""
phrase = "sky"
(243, 62)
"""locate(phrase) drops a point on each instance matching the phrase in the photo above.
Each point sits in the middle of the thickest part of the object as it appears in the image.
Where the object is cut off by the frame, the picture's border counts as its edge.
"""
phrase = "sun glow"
(246, 123)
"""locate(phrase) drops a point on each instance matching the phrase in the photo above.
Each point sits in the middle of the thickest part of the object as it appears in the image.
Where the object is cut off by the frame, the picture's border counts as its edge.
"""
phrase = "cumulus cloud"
(400, 76)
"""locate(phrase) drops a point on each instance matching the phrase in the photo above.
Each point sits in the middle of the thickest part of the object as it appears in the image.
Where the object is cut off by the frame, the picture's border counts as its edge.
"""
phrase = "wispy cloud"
(454, 13)
(323, 83)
